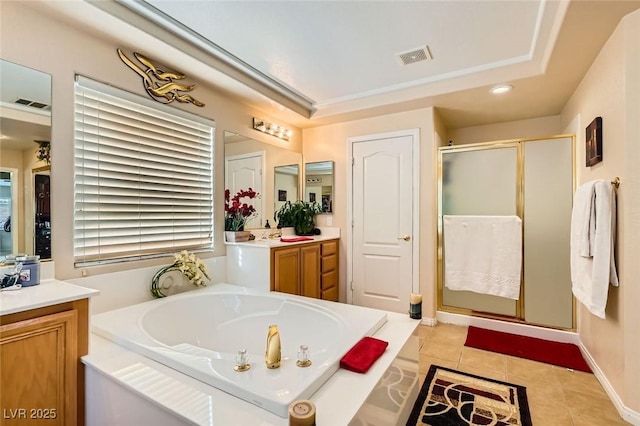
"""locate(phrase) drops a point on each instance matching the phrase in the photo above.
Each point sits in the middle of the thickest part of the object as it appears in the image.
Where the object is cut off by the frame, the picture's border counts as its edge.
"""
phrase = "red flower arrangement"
(237, 213)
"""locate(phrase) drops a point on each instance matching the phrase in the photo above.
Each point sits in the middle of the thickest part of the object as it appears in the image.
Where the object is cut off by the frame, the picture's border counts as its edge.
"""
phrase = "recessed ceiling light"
(503, 88)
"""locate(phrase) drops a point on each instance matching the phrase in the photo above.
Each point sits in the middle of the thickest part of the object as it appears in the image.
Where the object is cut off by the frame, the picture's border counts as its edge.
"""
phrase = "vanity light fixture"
(503, 88)
(271, 129)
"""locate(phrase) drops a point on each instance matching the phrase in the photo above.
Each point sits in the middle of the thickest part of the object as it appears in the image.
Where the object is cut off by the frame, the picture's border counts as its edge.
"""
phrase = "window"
(143, 177)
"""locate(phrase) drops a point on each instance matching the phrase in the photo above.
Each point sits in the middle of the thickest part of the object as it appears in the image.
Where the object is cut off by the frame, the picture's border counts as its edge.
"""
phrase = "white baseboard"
(431, 322)
(625, 412)
(509, 327)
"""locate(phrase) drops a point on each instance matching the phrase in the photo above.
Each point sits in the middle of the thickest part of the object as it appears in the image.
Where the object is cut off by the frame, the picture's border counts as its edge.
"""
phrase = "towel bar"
(616, 182)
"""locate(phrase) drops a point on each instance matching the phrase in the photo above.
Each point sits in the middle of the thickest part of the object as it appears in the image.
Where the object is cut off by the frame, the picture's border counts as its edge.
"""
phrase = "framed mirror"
(25, 142)
(267, 169)
(319, 184)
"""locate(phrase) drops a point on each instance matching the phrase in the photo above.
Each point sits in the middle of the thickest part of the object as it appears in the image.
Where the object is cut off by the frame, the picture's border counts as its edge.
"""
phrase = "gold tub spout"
(272, 354)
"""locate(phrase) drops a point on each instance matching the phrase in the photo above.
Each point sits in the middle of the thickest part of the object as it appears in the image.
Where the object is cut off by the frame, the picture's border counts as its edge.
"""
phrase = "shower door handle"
(405, 237)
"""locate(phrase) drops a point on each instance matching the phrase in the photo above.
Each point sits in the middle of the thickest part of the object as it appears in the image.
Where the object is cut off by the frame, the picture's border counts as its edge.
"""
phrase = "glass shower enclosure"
(534, 180)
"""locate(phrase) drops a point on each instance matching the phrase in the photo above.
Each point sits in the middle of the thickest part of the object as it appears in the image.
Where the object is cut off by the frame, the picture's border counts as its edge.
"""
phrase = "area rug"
(562, 354)
(452, 398)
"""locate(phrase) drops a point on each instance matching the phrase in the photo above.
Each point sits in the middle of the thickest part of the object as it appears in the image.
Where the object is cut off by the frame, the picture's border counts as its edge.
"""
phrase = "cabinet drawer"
(329, 263)
(330, 279)
(330, 247)
(330, 294)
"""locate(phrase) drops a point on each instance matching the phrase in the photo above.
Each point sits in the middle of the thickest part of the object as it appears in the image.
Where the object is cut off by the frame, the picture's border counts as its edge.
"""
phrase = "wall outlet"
(330, 220)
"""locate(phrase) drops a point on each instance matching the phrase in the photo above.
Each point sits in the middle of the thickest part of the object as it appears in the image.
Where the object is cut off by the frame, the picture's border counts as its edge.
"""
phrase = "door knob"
(405, 237)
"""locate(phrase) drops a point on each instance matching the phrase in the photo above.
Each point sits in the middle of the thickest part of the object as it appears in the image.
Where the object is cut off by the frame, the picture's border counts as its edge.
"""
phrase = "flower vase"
(160, 285)
(237, 236)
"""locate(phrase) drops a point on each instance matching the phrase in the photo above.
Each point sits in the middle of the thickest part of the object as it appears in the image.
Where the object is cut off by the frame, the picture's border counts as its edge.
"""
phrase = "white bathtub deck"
(126, 388)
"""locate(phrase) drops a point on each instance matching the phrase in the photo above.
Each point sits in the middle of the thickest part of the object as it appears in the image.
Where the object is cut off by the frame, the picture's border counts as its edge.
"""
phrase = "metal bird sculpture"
(158, 83)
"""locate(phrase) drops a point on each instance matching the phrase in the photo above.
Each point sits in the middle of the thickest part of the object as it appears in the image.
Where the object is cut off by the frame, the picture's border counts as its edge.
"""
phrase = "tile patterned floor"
(557, 396)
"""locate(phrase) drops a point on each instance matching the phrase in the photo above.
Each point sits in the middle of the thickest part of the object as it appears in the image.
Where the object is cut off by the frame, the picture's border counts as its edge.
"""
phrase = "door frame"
(415, 210)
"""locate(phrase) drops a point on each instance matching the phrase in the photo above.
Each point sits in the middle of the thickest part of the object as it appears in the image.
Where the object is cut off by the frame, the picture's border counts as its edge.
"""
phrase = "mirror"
(272, 171)
(319, 184)
(25, 126)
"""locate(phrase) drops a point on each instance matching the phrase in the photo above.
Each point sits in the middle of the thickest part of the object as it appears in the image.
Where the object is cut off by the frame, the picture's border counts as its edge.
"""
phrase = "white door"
(244, 172)
(384, 220)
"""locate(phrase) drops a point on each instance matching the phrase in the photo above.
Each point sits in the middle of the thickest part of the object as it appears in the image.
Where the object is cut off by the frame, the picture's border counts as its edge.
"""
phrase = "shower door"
(479, 181)
(533, 179)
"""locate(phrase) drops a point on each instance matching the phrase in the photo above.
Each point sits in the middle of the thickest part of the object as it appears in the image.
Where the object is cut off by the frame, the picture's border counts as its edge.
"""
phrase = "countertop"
(47, 293)
(263, 239)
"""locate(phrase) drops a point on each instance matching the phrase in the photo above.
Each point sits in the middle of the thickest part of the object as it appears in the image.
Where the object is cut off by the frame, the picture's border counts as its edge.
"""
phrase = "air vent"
(30, 103)
(415, 55)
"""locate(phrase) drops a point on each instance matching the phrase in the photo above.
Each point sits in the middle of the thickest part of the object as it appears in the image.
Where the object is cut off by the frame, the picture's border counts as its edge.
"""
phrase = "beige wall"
(330, 143)
(522, 129)
(610, 90)
(62, 51)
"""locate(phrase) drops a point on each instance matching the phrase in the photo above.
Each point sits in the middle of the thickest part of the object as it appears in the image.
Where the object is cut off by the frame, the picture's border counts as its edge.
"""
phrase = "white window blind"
(143, 177)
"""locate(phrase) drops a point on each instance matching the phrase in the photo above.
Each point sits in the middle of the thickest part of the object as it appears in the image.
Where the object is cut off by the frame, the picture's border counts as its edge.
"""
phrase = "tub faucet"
(272, 354)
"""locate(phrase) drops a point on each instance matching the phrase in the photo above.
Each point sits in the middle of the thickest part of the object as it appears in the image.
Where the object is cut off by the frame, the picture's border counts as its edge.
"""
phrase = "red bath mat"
(562, 354)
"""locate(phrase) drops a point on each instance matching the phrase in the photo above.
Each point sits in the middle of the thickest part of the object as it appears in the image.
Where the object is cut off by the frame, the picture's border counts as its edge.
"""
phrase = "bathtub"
(200, 332)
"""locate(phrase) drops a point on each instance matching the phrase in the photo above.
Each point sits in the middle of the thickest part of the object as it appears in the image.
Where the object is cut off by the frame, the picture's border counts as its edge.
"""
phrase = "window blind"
(143, 177)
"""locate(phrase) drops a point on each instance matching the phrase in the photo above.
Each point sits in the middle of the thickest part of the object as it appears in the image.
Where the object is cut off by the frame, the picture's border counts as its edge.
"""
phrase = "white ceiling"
(316, 62)
(343, 55)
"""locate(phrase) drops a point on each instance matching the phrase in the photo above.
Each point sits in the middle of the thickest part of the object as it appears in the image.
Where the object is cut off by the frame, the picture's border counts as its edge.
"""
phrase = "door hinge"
(353, 161)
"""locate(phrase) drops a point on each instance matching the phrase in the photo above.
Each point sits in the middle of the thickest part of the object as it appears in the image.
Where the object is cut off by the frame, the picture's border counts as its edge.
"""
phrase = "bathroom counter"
(122, 377)
(275, 242)
(47, 293)
(326, 234)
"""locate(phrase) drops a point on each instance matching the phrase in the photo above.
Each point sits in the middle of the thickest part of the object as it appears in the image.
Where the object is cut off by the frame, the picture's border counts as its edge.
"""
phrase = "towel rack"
(616, 182)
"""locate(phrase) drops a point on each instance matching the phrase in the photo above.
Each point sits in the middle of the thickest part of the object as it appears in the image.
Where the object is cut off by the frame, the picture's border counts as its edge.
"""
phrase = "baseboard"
(431, 322)
(625, 412)
(509, 327)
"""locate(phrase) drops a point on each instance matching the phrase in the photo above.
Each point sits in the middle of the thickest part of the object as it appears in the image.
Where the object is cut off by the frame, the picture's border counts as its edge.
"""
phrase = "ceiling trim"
(129, 10)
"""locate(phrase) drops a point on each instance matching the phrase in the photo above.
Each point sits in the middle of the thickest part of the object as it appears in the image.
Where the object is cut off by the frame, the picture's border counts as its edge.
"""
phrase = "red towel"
(363, 354)
(295, 239)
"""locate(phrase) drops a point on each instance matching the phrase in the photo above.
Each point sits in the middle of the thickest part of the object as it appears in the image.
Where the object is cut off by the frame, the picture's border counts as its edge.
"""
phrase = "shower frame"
(519, 145)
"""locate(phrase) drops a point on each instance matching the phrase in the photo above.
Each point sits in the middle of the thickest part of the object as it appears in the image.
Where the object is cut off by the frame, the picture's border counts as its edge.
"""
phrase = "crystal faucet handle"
(303, 356)
(242, 361)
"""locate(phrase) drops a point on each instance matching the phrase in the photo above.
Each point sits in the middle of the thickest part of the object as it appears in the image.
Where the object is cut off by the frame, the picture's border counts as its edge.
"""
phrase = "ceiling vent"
(415, 55)
(32, 104)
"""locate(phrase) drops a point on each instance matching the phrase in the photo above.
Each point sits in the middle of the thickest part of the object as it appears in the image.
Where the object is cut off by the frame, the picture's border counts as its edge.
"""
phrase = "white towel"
(591, 276)
(583, 220)
(483, 254)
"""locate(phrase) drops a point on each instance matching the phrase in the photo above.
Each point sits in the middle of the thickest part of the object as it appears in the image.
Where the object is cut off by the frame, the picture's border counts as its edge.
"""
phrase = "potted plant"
(284, 216)
(237, 214)
(300, 215)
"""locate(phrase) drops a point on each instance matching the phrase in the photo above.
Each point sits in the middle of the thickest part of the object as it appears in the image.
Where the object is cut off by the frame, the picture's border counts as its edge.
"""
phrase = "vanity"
(305, 268)
(43, 334)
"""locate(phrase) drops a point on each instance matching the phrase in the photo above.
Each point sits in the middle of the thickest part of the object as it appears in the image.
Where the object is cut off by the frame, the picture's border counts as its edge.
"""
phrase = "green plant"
(284, 215)
(301, 215)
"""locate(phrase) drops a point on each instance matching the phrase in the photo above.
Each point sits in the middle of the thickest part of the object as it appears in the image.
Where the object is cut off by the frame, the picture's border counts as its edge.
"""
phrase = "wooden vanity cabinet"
(309, 269)
(42, 379)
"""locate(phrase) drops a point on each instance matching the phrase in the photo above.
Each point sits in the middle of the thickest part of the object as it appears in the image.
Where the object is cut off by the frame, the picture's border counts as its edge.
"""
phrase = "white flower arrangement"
(189, 265)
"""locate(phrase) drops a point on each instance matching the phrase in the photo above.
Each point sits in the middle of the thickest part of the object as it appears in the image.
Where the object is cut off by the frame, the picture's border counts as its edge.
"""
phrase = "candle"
(302, 413)
(415, 306)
